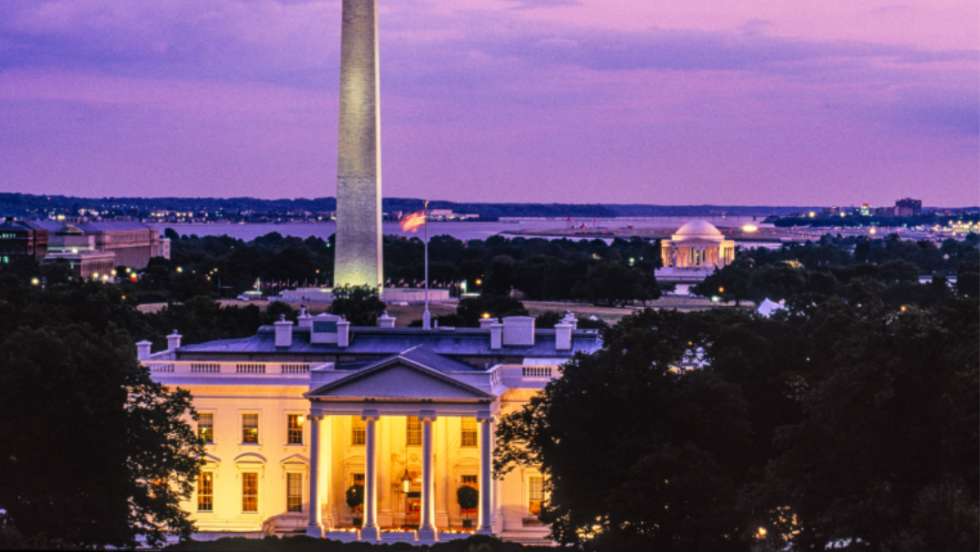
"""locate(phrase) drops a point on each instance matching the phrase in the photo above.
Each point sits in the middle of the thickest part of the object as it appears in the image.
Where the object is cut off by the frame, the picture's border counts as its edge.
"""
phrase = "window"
(250, 492)
(294, 492)
(358, 434)
(250, 428)
(205, 427)
(205, 492)
(295, 429)
(535, 494)
(413, 432)
(467, 436)
(470, 481)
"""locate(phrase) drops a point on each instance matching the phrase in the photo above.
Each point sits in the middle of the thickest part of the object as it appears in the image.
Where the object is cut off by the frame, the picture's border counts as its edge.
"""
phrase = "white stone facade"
(412, 427)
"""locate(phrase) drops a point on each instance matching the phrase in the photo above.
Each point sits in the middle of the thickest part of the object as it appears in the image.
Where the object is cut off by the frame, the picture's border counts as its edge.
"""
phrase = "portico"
(391, 428)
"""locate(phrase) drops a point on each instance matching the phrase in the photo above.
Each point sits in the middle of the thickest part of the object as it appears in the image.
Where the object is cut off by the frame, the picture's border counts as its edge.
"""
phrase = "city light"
(749, 228)
(35, 281)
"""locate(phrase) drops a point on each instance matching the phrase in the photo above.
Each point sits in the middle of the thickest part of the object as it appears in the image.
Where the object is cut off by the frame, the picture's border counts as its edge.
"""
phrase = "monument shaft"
(358, 258)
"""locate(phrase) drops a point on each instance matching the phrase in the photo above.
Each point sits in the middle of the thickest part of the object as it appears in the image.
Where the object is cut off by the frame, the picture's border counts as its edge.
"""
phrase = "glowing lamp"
(721, 290)
(35, 281)
(749, 228)
(486, 315)
(406, 483)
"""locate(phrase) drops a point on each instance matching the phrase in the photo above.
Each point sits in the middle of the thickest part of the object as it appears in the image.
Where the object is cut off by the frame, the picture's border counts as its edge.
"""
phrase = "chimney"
(386, 321)
(519, 331)
(496, 335)
(343, 333)
(571, 319)
(563, 336)
(173, 341)
(485, 323)
(305, 320)
(143, 350)
(284, 331)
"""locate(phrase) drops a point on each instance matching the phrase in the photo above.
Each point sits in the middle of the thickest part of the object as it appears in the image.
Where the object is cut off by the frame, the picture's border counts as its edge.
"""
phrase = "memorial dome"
(698, 229)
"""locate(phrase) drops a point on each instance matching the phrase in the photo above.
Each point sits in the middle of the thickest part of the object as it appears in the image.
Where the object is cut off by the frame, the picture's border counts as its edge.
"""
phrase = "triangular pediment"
(398, 379)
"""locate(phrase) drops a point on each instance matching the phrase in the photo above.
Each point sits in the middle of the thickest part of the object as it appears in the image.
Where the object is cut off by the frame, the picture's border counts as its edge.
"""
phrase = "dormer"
(324, 328)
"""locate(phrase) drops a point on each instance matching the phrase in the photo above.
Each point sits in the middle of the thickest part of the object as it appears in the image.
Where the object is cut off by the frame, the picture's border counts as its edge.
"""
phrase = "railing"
(250, 368)
(203, 368)
(537, 371)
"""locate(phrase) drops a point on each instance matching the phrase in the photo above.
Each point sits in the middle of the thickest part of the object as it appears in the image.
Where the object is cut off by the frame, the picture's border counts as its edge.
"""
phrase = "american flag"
(411, 222)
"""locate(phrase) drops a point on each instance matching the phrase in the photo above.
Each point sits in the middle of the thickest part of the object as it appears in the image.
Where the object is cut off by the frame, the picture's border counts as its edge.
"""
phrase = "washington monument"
(358, 255)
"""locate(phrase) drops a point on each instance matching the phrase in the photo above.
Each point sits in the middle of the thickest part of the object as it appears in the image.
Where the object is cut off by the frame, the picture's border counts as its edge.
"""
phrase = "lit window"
(250, 428)
(468, 432)
(250, 492)
(205, 427)
(205, 492)
(535, 494)
(294, 492)
(358, 435)
(295, 429)
(470, 481)
(413, 432)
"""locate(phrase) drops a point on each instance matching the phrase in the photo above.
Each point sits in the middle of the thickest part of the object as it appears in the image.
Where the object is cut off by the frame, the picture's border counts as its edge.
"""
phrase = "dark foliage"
(133, 456)
(834, 423)
(360, 305)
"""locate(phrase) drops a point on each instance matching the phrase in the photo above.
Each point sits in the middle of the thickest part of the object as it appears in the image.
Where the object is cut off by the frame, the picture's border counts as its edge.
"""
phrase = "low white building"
(297, 415)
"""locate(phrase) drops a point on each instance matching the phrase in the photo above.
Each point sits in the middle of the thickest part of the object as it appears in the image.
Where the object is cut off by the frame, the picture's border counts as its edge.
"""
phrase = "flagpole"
(426, 317)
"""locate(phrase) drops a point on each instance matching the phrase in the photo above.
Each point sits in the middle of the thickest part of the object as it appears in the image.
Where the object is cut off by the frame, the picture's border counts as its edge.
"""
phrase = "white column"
(325, 473)
(427, 529)
(370, 531)
(315, 527)
(486, 477)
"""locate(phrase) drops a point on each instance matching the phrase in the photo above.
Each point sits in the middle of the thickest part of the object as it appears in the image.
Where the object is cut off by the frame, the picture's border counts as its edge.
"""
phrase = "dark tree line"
(883, 272)
(825, 425)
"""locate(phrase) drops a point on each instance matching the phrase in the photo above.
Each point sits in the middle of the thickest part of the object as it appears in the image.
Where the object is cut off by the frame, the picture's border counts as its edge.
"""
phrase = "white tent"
(768, 307)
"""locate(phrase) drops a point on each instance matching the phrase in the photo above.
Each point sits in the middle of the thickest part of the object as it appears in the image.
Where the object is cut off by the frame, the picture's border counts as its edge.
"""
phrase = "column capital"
(484, 416)
(370, 415)
(427, 415)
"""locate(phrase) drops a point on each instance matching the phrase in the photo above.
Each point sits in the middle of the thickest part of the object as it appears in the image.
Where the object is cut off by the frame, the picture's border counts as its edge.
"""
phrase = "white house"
(296, 415)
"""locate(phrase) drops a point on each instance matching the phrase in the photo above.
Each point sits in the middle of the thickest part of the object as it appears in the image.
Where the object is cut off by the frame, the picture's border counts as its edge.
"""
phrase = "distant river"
(459, 230)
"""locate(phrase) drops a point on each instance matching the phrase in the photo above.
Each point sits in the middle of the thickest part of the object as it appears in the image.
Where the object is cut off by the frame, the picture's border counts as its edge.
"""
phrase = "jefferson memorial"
(693, 252)
(365, 433)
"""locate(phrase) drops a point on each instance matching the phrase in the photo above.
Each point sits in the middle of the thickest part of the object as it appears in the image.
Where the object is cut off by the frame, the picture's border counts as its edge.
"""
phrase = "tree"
(132, 457)
(635, 455)
(777, 282)
(472, 309)
(730, 283)
(361, 305)
(613, 283)
(467, 497)
(891, 412)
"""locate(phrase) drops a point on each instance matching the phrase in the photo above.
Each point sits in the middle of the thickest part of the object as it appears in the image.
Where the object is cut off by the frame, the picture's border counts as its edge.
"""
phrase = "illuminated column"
(358, 254)
(427, 529)
(486, 477)
(324, 470)
(370, 531)
(315, 527)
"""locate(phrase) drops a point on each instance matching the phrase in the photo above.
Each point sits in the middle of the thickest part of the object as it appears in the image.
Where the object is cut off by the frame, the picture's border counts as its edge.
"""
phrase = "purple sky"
(581, 101)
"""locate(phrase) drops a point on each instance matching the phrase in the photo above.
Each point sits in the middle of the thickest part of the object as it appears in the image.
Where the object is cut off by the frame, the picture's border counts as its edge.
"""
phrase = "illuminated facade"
(299, 415)
(697, 244)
